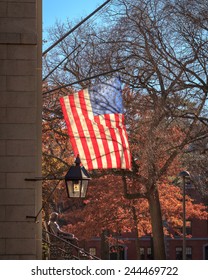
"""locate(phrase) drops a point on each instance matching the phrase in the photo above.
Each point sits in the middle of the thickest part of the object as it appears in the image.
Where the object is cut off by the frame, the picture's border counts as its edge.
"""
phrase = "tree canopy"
(162, 48)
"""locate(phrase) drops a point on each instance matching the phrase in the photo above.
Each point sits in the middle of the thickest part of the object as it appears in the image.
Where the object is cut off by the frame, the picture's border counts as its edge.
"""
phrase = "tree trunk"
(137, 233)
(157, 226)
(104, 245)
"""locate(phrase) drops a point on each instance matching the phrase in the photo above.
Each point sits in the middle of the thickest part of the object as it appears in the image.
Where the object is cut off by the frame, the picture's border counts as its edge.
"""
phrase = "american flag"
(95, 123)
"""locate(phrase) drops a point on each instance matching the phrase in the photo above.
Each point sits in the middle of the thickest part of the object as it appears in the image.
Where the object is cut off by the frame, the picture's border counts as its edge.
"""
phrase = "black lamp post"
(184, 174)
(76, 180)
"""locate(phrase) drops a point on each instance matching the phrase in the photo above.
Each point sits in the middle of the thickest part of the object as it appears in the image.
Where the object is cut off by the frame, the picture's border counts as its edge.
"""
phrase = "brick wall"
(20, 128)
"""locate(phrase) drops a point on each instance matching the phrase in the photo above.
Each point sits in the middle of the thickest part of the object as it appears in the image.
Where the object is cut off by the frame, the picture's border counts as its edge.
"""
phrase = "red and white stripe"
(101, 141)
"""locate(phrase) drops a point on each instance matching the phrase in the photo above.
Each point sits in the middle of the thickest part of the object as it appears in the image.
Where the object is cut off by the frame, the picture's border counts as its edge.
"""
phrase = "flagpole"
(83, 80)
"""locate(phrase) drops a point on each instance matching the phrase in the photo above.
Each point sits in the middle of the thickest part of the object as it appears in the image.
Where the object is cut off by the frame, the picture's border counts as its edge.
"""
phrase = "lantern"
(76, 180)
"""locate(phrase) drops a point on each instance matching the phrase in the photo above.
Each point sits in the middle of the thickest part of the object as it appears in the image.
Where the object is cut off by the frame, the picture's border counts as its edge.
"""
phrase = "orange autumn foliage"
(106, 208)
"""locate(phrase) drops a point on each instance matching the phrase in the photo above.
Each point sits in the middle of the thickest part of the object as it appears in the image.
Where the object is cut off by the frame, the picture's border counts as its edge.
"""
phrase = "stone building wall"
(20, 128)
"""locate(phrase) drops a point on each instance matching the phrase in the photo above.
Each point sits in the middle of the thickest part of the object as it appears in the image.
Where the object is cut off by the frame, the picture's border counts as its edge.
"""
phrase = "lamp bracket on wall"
(35, 218)
(35, 179)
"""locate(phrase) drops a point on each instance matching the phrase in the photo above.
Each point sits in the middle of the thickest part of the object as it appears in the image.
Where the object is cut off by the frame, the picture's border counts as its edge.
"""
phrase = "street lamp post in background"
(184, 174)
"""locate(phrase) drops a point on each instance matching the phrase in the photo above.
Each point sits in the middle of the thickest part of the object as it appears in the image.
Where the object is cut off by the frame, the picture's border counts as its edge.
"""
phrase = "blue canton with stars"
(106, 98)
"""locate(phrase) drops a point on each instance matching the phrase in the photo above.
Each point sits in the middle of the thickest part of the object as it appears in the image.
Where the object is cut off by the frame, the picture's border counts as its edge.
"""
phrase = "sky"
(60, 10)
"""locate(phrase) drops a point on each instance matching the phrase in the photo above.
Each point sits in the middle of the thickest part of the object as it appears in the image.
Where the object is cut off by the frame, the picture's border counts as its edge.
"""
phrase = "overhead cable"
(75, 27)
(59, 64)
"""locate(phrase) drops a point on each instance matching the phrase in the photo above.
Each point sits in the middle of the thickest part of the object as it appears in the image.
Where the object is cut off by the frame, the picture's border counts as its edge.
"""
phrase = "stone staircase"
(59, 248)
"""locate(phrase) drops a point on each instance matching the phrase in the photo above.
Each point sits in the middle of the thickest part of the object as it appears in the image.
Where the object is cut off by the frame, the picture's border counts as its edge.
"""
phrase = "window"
(142, 255)
(179, 253)
(149, 254)
(188, 253)
(92, 251)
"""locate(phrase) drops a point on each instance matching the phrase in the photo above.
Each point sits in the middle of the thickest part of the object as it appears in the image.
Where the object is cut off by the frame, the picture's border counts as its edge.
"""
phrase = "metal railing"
(60, 248)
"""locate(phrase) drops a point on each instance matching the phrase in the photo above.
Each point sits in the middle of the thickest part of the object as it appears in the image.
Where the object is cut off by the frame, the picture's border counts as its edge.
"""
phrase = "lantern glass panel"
(77, 188)
(84, 188)
(74, 188)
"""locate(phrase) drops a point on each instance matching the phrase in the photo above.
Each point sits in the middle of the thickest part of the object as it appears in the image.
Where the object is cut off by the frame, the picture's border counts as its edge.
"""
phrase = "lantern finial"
(77, 160)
